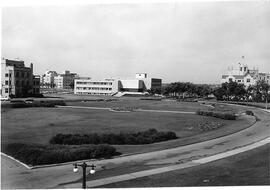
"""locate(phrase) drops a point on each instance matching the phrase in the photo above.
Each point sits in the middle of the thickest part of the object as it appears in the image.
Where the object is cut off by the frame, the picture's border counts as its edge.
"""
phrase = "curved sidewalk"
(130, 176)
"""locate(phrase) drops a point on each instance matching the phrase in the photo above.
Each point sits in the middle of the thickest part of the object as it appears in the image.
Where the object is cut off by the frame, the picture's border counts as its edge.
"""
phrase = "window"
(6, 90)
(239, 81)
(6, 75)
(6, 82)
(240, 68)
(230, 80)
(17, 74)
(248, 80)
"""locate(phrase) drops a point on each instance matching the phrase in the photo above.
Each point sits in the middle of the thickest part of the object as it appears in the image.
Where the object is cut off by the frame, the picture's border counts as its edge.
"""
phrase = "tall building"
(16, 78)
(243, 75)
(47, 79)
(65, 80)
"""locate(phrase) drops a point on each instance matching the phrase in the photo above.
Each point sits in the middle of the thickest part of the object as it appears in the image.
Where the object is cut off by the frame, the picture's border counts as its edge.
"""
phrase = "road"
(16, 176)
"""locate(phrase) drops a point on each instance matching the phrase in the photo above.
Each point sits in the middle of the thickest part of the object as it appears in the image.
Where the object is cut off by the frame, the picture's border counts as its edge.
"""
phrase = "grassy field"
(243, 169)
(38, 125)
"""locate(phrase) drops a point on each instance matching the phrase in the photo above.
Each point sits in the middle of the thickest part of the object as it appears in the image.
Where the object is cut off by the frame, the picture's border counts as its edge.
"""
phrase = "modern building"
(95, 87)
(47, 79)
(140, 84)
(65, 80)
(243, 75)
(16, 78)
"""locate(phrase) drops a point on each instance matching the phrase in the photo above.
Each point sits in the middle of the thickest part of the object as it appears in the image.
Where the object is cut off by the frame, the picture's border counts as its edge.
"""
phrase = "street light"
(84, 166)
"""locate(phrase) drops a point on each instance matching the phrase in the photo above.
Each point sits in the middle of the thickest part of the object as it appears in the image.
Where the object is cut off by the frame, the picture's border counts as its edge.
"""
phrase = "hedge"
(221, 115)
(249, 112)
(22, 104)
(36, 154)
(144, 137)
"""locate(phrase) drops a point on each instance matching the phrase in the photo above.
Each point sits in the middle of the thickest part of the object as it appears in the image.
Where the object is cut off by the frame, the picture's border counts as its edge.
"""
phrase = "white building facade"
(64, 80)
(47, 80)
(87, 86)
(243, 75)
(141, 83)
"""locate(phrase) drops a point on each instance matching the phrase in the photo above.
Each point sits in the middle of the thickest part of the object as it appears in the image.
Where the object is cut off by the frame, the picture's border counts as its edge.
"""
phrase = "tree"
(230, 91)
(261, 90)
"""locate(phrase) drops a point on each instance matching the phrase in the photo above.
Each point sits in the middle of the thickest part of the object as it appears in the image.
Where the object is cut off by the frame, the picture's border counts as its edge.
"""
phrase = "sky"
(187, 42)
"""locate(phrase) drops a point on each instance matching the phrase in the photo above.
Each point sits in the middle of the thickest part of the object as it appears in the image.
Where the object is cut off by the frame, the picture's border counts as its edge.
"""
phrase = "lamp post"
(84, 166)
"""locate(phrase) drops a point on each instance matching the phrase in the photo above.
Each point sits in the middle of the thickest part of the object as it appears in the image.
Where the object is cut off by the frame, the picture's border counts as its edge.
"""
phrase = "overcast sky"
(193, 42)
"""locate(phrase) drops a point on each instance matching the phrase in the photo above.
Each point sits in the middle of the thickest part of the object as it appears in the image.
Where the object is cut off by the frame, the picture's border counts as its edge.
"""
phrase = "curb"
(14, 159)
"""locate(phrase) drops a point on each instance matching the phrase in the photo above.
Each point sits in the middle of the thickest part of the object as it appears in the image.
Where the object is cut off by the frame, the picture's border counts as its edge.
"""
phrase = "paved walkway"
(137, 110)
(130, 176)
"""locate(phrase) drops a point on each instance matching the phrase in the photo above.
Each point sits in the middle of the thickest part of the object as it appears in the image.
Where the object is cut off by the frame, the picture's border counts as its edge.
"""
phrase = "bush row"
(22, 104)
(221, 115)
(34, 154)
(145, 137)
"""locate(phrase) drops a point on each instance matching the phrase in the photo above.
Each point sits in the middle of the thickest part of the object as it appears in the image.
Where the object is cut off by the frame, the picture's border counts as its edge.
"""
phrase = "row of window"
(8, 82)
(94, 83)
(239, 80)
(7, 90)
(22, 74)
(22, 83)
(7, 74)
(36, 82)
(92, 93)
(92, 88)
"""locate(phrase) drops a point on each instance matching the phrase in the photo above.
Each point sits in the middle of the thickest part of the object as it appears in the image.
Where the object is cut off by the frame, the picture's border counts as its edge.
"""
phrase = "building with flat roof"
(47, 79)
(65, 80)
(16, 78)
(88, 86)
(139, 84)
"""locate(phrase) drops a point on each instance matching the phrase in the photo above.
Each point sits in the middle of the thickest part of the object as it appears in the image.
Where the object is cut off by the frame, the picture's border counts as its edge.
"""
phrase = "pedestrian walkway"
(137, 110)
(130, 176)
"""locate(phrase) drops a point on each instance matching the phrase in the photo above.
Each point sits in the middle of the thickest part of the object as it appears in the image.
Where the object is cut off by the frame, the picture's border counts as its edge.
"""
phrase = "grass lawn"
(248, 168)
(38, 125)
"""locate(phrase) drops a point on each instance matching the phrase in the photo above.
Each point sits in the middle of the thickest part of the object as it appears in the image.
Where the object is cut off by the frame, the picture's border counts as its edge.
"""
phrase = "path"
(137, 110)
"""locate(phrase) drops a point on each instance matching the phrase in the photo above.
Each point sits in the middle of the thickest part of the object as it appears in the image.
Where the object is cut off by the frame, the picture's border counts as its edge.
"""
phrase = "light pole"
(84, 166)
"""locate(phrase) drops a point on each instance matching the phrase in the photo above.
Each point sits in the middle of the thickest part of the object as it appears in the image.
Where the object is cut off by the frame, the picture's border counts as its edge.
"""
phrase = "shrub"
(143, 137)
(221, 115)
(249, 112)
(34, 154)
